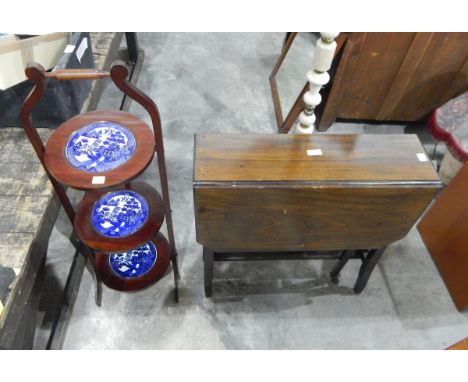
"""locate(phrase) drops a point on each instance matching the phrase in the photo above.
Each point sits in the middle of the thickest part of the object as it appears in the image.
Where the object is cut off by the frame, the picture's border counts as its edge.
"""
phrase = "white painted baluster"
(317, 77)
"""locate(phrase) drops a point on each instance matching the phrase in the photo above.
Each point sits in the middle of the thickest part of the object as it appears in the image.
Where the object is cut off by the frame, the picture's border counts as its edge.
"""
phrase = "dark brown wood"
(376, 49)
(368, 265)
(77, 74)
(276, 255)
(59, 328)
(409, 65)
(64, 172)
(345, 158)
(36, 73)
(397, 76)
(138, 283)
(347, 63)
(53, 159)
(101, 243)
(335, 272)
(208, 265)
(263, 193)
(293, 218)
(444, 230)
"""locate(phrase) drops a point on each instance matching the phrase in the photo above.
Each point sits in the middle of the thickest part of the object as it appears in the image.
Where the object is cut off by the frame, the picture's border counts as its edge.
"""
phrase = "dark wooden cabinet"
(396, 76)
(272, 193)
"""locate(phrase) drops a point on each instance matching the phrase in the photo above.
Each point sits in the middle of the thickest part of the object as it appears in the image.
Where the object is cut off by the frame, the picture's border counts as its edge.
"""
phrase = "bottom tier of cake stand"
(135, 269)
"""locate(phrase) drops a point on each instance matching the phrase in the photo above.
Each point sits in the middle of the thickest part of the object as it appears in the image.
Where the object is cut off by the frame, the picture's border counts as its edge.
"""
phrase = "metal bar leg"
(89, 257)
(135, 58)
(98, 291)
(366, 269)
(59, 328)
(132, 46)
(335, 272)
(208, 260)
(90, 261)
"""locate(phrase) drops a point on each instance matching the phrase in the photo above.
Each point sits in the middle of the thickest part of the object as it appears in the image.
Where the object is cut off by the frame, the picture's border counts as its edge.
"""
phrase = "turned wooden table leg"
(208, 260)
(366, 269)
(335, 272)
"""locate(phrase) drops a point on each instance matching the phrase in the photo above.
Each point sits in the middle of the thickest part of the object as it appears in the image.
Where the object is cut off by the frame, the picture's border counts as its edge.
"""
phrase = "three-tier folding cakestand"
(101, 152)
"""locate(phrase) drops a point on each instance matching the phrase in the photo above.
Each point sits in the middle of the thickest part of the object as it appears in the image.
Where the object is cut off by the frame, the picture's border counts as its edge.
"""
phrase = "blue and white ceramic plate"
(100, 147)
(119, 213)
(134, 263)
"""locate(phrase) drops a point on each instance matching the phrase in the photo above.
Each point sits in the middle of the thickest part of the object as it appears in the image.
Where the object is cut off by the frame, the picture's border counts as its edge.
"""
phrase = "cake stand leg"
(89, 257)
(90, 261)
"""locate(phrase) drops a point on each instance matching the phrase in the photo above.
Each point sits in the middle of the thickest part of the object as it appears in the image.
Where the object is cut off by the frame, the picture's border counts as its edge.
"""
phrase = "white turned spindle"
(317, 77)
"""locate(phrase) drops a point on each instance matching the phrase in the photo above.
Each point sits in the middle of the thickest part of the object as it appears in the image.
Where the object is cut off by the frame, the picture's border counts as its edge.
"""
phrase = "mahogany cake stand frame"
(61, 174)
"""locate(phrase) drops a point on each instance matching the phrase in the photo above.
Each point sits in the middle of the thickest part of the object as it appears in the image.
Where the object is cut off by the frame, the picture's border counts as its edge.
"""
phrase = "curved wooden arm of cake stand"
(37, 74)
(119, 72)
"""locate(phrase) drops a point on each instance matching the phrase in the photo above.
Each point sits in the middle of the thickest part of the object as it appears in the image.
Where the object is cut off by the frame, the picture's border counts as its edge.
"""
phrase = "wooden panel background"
(397, 76)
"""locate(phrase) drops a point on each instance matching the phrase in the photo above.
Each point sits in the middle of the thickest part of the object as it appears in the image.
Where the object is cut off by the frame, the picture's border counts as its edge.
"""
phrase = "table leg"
(89, 256)
(208, 260)
(335, 272)
(90, 260)
(175, 270)
(98, 291)
(366, 269)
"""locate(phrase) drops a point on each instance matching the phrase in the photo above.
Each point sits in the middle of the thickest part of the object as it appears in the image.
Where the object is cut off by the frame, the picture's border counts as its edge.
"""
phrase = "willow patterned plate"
(100, 146)
(134, 263)
(119, 213)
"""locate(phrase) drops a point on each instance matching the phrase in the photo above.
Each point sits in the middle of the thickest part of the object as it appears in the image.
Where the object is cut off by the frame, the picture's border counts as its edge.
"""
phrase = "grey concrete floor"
(219, 83)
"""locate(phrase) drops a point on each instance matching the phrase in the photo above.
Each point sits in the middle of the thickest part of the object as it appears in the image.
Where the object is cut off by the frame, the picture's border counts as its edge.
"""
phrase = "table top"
(315, 158)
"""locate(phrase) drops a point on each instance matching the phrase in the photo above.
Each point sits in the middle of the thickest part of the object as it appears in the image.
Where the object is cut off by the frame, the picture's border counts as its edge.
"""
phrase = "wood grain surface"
(93, 239)
(396, 76)
(444, 230)
(278, 157)
(263, 193)
(306, 218)
(65, 173)
(138, 283)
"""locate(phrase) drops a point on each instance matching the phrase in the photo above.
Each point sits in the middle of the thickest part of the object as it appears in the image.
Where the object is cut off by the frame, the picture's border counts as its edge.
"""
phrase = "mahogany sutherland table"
(265, 197)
